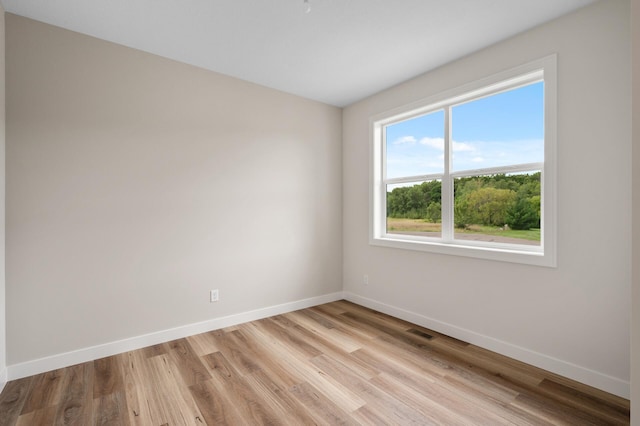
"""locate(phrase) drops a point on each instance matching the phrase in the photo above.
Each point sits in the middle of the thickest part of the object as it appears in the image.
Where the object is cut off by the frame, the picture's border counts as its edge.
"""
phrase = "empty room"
(319, 212)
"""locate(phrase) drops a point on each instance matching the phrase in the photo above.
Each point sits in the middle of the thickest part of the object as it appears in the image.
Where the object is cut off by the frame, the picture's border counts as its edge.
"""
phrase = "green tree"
(488, 206)
(482, 200)
(434, 212)
(535, 204)
(522, 215)
(412, 201)
(462, 215)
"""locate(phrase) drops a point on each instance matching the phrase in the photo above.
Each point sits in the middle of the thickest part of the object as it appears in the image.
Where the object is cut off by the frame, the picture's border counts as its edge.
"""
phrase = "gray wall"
(136, 184)
(575, 318)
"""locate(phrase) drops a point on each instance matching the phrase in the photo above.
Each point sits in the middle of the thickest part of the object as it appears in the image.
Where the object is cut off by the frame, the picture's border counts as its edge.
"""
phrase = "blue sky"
(498, 130)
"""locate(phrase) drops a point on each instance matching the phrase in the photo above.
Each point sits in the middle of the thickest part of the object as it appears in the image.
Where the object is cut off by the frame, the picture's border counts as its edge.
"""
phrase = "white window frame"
(544, 69)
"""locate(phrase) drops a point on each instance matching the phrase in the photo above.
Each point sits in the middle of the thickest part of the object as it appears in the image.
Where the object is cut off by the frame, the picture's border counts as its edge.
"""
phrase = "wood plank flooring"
(337, 363)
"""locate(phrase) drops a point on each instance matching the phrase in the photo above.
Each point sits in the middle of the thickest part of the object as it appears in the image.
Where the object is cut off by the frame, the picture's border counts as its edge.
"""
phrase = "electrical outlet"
(215, 295)
(365, 279)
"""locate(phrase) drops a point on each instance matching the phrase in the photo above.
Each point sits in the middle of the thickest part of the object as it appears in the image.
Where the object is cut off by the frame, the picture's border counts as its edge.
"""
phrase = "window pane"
(415, 209)
(499, 130)
(415, 147)
(498, 208)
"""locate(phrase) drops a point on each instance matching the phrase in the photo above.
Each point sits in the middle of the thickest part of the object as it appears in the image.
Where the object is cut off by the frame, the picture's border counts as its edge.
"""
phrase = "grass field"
(420, 225)
(412, 225)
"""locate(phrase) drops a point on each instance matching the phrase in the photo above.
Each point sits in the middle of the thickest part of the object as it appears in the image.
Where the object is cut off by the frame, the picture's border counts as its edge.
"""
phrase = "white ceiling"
(340, 52)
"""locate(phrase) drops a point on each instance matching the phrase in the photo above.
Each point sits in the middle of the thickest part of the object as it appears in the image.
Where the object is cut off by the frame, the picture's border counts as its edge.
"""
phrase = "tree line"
(494, 200)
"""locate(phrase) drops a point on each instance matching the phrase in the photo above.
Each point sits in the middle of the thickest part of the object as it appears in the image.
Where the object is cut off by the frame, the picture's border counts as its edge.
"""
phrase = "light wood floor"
(333, 364)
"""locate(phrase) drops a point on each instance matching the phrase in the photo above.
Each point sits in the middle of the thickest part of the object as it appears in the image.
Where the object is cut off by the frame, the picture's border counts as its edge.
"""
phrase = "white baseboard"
(575, 372)
(3, 378)
(598, 380)
(67, 359)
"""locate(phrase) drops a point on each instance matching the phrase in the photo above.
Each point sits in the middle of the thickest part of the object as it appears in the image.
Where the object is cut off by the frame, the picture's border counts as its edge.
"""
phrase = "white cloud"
(437, 143)
(461, 146)
(477, 159)
(405, 140)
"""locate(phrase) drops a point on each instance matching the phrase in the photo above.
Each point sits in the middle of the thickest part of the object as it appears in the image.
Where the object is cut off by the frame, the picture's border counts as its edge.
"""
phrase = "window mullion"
(382, 215)
(447, 182)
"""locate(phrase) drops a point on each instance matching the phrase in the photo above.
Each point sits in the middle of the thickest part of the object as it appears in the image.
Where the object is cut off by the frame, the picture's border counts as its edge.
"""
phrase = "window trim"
(544, 255)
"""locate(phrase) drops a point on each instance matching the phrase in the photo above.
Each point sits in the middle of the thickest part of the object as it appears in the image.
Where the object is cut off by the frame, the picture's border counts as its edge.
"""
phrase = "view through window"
(467, 170)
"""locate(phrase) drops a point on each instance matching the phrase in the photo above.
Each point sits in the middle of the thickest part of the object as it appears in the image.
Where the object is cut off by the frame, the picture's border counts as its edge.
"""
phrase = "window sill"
(502, 253)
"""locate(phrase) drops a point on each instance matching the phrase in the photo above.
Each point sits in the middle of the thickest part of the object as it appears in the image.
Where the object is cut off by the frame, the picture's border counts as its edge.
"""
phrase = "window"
(471, 171)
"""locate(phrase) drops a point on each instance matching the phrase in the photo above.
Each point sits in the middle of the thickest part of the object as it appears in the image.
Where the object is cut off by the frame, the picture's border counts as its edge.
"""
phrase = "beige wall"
(3, 343)
(635, 327)
(136, 184)
(575, 318)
